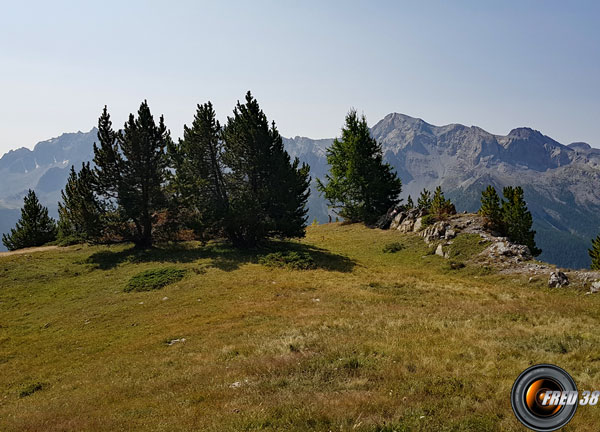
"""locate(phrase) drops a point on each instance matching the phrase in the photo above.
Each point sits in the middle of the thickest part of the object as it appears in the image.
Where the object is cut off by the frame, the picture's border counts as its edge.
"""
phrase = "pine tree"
(359, 186)
(490, 207)
(198, 181)
(594, 253)
(267, 192)
(80, 213)
(424, 201)
(440, 206)
(131, 168)
(409, 203)
(35, 227)
(517, 220)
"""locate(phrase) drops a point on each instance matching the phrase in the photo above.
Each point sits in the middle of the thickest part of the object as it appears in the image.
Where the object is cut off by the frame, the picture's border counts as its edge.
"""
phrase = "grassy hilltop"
(363, 341)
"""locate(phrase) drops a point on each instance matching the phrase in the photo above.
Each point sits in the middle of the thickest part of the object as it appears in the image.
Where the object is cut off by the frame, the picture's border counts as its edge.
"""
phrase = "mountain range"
(561, 182)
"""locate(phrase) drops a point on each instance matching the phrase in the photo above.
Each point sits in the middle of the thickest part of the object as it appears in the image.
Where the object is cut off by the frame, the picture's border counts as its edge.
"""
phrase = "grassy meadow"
(353, 339)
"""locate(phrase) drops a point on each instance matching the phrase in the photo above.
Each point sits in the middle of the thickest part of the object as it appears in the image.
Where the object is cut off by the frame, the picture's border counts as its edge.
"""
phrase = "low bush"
(427, 220)
(290, 260)
(30, 389)
(154, 279)
(393, 247)
(454, 265)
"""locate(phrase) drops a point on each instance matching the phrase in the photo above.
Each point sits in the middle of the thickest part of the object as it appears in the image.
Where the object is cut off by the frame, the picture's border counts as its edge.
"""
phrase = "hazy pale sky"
(498, 65)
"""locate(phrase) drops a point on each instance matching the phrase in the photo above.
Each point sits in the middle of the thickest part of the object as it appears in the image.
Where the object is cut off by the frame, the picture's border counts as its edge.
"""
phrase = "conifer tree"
(424, 201)
(517, 220)
(409, 203)
(490, 207)
(35, 227)
(359, 185)
(267, 192)
(440, 206)
(80, 212)
(198, 181)
(131, 168)
(594, 253)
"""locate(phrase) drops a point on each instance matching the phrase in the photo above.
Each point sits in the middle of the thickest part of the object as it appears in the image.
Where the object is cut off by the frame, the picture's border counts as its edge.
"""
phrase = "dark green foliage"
(517, 220)
(360, 186)
(409, 203)
(424, 201)
(35, 227)
(30, 389)
(393, 247)
(80, 213)
(198, 184)
(267, 192)
(440, 206)
(490, 208)
(131, 169)
(291, 260)
(594, 253)
(154, 279)
(427, 220)
(509, 216)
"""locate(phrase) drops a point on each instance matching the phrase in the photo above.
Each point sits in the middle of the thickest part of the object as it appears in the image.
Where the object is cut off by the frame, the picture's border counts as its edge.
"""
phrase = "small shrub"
(393, 247)
(454, 265)
(154, 279)
(427, 220)
(352, 363)
(291, 260)
(30, 389)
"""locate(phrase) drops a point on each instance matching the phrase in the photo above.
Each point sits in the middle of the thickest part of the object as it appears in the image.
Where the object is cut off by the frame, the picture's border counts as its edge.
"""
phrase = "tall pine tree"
(198, 182)
(490, 208)
(517, 220)
(424, 201)
(131, 168)
(359, 186)
(440, 206)
(267, 192)
(35, 227)
(80, 212)
(594, 253)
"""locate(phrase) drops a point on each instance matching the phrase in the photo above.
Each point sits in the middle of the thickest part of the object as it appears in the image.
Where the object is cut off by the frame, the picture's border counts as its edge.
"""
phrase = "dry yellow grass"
(367, 341)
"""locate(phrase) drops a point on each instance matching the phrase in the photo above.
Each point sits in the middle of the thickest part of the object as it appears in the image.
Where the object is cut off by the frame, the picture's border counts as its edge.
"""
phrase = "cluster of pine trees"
(436, 207)
(235, 181)
(509, 216)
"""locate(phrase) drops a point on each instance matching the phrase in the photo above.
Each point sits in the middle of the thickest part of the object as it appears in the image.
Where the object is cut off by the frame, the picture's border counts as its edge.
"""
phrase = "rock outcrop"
(500, 252)
(558, 280)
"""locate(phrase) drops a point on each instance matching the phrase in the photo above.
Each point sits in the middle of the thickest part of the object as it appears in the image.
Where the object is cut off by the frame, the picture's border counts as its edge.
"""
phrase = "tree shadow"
(221, 255)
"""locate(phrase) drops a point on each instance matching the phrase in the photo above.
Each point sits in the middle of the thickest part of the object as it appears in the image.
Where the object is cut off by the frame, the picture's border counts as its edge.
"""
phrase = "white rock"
(558, 279)
(440, 250)
(418, 224)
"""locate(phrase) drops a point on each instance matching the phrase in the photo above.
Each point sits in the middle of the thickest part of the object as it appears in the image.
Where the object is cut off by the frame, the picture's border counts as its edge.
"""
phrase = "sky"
(497, 65)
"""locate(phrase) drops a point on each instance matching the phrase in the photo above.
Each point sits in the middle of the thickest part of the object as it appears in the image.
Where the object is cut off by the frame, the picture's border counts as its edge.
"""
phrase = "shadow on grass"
(222, 255)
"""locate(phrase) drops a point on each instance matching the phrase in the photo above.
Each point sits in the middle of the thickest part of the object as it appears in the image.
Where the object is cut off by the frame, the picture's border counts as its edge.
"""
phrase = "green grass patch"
(466, 246)
(154, 279)
(288, 259)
